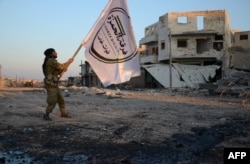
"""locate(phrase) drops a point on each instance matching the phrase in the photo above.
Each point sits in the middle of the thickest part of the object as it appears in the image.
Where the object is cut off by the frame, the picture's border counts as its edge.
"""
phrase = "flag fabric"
(110, 46)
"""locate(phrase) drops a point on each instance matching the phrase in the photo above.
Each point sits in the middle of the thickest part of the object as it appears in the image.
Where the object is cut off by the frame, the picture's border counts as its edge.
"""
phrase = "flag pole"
(74, 55)
(78, 49)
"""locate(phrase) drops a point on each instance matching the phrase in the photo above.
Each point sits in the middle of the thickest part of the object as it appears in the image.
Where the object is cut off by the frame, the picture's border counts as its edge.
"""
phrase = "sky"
(29, 27)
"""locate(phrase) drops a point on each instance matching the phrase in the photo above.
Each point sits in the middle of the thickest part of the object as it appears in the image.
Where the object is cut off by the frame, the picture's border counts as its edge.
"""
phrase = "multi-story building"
(184, 49)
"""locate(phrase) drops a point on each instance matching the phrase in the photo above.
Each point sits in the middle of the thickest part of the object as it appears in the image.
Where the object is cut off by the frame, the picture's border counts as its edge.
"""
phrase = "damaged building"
(240, 51)
(186, 49)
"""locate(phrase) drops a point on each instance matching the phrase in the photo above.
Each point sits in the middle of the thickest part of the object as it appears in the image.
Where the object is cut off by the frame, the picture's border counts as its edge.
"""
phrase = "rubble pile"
(237, 83)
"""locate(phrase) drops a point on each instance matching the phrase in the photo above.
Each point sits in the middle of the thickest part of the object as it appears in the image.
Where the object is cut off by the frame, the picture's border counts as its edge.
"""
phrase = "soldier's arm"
(63, 67)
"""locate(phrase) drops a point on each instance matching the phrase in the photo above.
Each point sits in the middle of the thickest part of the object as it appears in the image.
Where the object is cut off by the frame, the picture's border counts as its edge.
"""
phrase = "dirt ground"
(121, 126)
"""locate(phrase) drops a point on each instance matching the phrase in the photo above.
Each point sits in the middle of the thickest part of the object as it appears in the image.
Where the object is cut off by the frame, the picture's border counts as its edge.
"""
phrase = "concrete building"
(242, 39)
(240, 51)
(88, 76)
(185, 49)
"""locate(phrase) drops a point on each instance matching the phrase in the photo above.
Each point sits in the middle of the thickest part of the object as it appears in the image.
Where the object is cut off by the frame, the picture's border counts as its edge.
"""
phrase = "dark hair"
(47, 53)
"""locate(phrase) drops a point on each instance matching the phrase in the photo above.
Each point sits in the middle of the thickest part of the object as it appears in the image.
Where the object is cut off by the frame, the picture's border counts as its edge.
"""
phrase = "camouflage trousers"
(54, 96)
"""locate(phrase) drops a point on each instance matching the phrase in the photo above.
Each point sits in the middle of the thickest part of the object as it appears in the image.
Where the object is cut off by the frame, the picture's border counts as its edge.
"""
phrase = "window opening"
(182, 20)
(218, 37)
(162, 45)
(200, 22)
(218, 46)
(202, 45)
(153, 50)
(243, 37)
(181, 43)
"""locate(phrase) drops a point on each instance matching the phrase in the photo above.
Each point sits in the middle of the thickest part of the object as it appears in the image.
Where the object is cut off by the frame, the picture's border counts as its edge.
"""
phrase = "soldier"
(52, 71)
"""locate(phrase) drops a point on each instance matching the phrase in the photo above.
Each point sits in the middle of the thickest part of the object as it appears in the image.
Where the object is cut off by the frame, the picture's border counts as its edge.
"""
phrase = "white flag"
(110, 46)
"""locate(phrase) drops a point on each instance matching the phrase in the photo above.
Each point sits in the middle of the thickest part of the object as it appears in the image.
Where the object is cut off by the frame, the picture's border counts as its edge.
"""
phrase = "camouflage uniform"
(53, 70)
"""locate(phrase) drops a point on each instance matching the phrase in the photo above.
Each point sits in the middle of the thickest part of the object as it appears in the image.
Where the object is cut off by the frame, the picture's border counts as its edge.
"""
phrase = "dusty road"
(147, 126)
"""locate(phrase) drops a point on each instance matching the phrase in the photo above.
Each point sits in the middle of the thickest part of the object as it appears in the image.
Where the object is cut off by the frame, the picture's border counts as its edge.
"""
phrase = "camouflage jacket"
(53, 70)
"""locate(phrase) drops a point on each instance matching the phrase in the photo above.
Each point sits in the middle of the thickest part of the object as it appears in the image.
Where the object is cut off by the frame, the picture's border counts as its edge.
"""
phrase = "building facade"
(184, 49)
(240, 51)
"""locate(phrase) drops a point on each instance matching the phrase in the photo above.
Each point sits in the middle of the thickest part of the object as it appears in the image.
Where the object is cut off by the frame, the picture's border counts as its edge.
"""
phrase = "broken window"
(162, 45)
(153, 50)
(181, 43)
(182, 20)
(243, 37)
(200, 22)
(218, 37)
(218, 46)
(202, 45)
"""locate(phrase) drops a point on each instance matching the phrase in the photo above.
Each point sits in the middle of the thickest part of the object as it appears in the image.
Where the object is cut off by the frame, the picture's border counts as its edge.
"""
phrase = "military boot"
(46, 117)
(64, 114)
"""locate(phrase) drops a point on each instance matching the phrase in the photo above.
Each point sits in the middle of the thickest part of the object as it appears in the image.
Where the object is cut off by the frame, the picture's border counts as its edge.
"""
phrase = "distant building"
(242, 39)
(88, 76)
(1, 82)
(73, 81)
(240, 51)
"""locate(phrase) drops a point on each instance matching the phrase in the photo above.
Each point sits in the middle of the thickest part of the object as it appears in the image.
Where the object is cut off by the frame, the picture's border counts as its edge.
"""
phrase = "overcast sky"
(28, 27)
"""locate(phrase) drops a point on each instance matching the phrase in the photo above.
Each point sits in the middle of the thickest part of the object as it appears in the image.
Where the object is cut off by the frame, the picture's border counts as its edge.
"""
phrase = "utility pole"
(170, 60)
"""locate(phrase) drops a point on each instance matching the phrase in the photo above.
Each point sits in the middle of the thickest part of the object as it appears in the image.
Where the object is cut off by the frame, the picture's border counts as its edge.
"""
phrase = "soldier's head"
(50, 52)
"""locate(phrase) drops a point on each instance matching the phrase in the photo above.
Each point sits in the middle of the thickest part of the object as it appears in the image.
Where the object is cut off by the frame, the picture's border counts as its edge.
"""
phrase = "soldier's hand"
(70, 60)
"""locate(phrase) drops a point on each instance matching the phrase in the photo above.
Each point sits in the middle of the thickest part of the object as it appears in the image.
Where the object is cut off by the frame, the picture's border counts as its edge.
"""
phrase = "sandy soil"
(121, 126)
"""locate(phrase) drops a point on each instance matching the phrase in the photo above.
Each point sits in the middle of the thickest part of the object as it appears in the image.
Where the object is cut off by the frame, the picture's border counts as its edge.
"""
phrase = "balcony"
(149, 39)
(148, 59)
